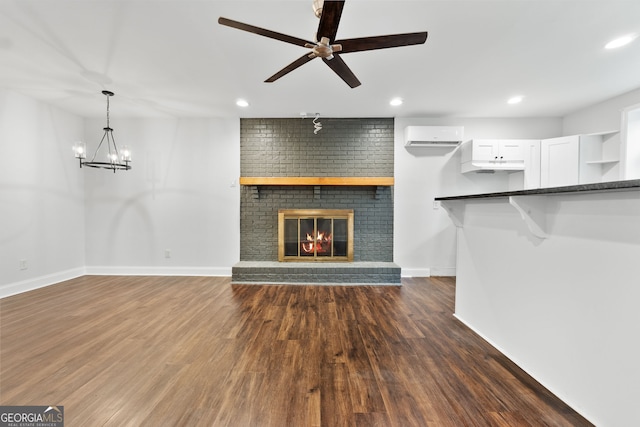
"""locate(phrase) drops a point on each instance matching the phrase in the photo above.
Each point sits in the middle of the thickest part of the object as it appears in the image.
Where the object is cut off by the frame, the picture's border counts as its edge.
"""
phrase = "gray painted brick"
(344, 147)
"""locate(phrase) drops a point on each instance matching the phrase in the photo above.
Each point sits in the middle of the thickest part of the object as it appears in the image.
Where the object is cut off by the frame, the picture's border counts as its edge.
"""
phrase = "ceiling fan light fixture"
(317, 7)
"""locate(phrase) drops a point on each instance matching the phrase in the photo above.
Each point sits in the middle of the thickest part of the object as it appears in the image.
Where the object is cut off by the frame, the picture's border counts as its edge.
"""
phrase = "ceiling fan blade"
(330, 19)
(262, 32)
(342, 70)
(289, 68)
(381, 42)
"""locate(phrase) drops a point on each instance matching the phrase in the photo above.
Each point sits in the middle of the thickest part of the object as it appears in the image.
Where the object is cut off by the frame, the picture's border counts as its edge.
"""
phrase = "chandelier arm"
(113, 141)
(99, 145)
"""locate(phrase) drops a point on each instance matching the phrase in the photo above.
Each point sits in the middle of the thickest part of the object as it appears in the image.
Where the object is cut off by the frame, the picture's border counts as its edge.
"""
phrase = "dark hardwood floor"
(197, 351)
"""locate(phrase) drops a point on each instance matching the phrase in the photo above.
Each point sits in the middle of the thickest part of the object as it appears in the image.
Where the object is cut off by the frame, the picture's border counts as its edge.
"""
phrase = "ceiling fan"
(326, 46)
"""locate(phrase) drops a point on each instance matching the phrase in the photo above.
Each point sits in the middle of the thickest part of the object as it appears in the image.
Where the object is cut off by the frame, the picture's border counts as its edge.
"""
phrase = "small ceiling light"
(621, 41)
(242, 103)
(116, 159)
(515, 99)
(395, 102)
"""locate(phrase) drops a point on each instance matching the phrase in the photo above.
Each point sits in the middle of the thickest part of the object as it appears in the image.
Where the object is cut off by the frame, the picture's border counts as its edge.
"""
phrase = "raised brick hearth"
(330, 273)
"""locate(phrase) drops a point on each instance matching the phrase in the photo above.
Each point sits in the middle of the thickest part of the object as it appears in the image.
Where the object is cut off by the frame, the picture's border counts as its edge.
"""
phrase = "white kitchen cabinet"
(531, 164)
(560, 161)
(493, 154)
(579, 159)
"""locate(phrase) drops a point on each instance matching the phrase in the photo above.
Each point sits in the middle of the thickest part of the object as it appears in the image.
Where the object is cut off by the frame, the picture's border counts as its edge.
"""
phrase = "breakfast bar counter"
(551, 277)
(569, 189)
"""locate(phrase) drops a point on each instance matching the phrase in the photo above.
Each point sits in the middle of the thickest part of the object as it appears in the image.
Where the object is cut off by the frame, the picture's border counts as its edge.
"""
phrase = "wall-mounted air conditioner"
(433, 136)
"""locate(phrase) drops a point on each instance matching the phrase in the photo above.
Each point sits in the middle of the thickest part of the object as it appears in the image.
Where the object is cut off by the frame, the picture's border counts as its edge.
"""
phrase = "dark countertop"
(581, 188)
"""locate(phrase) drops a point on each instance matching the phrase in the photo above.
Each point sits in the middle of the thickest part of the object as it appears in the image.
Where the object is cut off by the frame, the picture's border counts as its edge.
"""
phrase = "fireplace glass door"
(315, 235)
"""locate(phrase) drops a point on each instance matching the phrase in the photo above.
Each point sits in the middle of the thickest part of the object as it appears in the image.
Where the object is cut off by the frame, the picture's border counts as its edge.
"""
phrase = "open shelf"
(602, 162)
(600, 157)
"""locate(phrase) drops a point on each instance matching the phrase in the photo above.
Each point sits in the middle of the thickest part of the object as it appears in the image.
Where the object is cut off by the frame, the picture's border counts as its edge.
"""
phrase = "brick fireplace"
(347, 167)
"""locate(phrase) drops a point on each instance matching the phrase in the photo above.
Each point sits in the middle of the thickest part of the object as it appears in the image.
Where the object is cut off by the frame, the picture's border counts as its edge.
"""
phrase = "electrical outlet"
(167, 253)
(436, 204)
(23, 264)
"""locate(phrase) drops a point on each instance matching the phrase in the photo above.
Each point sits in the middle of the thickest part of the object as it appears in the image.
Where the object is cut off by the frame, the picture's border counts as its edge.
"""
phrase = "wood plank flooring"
(198, 351)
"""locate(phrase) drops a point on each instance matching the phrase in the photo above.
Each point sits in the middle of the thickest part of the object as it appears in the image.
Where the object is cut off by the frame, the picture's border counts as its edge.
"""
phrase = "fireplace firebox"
(315, 235)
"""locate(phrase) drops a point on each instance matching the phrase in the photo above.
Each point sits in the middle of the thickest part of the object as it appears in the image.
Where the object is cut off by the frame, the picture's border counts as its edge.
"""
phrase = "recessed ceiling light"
(242, 103)
(620, 41)
(395, 102)
(515, 99)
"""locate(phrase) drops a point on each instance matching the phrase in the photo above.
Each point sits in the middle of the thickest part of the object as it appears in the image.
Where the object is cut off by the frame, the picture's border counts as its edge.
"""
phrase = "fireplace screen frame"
(303, 214)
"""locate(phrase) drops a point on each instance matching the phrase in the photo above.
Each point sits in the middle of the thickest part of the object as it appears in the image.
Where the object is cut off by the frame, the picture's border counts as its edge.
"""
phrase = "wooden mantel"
(318, 180)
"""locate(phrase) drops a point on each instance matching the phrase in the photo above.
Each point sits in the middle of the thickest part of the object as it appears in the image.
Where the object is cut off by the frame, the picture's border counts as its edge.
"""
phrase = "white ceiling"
(167, 58)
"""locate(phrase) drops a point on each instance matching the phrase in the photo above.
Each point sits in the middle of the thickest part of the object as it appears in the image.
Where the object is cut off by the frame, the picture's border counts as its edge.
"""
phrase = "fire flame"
(321, 244)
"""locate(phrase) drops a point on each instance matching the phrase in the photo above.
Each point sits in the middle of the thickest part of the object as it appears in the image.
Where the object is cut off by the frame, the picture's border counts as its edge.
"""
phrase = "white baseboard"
(428, 272)
(61, 276)
(51, 279)
(443, 271)
(415, 272)
(40, 282)
(158, 271)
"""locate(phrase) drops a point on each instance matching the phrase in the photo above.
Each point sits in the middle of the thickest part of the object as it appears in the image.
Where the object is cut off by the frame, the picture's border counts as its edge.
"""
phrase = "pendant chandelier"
(115, 159)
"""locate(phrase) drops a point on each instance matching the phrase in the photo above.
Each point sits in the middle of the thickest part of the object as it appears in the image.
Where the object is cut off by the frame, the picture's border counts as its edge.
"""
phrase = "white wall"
(604, 116)
(41, 195)
(181, 195)
(424, 238)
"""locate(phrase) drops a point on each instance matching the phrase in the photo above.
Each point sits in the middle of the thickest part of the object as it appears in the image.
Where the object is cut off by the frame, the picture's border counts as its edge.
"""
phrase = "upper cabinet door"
(498, 150)
(485, 149)
(511, 151)
(560, 161)
(532, 164)
(492, 154)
